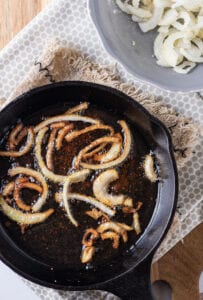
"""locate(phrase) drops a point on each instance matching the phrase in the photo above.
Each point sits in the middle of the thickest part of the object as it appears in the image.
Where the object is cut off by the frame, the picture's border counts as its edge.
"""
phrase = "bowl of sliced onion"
(158, 41)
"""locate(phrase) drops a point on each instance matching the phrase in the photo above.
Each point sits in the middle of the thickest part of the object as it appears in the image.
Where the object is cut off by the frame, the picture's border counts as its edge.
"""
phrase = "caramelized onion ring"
(87, 254)
(19, 185)
(74, 134)
(89, 237)
(30, 172)
(149, 168)
(121, 158)
(24, 218)
(8, 188)
(77, 108)
(136, 223)
(101, 186)
(61, 135)
(65, 118)
(50, 149)
(113, 236)
(26, 148)
(105, 139)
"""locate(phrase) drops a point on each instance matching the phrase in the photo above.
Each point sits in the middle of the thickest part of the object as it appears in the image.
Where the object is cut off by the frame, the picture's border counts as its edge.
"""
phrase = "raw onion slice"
(25, 149)
(65, 118)
(149, 168)
(24, 218)
(74, 134)
(61, 134)
(185, 67)
(38, 176)
(101, 187)
(77, 108)
(130, 9)
(120, 159)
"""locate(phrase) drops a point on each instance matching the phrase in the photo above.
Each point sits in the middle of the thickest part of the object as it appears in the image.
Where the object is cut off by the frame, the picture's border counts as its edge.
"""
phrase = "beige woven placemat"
(59, 63)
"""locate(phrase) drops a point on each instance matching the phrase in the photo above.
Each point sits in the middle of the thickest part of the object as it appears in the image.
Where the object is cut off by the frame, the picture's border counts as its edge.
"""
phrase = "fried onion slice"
(96, 214)
(87, 254)
(89, 237)
(94, 151)
(61, 134)
(105, 139)
(112, 153)
(149, 168)
(136, 223)
(19, 185)
(113, 226)
(12, 136)
(78, 108)
(101, 187)
(38, 176)
(25, 149)
(130, 210)
(125, 151)
(74, 134)
(50, 149)
(24, 218)
(113, 236)
(65, 118)
(8, 189)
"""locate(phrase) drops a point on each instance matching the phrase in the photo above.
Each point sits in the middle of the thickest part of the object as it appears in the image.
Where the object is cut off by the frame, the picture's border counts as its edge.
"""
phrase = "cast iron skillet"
(129, 278)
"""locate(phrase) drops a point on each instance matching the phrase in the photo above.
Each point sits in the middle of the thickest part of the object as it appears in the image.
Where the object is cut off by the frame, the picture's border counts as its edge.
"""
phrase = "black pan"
(129, 277)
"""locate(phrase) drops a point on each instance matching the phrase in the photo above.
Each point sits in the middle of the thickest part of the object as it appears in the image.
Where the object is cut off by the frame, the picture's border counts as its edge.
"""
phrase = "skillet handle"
(134, 285)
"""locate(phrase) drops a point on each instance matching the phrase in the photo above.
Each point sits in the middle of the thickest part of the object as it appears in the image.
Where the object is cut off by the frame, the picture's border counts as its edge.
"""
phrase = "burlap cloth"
(59, 63)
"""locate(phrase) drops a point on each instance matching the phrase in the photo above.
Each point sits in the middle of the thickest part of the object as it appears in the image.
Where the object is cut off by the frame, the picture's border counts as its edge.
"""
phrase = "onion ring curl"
(25, 149)
(38, 176)
(65, 118)
(12, 136)
(89, 237)
(24, 218)
(113, 226)
(101, 186)
(19, 185)
(120, 159)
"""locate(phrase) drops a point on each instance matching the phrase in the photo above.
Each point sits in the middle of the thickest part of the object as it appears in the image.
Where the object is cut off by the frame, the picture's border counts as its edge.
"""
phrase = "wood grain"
(15, 14)
(182, 265)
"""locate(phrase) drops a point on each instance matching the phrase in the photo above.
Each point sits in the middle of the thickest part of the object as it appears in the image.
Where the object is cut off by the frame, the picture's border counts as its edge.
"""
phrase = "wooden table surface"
(182, 265)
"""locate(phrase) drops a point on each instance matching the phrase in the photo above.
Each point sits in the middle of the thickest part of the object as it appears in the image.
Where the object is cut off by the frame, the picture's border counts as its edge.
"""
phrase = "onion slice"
(8, 188)
(12, 136)
(136, 223)
(113, 226)
(38, 176)
(113, 236)
(101, 187)
(87, 254)
(50, 149)
(24, 150)
(149, 168)
(24, 218)
(65, 118)
(77, 108)
(61, 134)
(89, 237)
(74, 134)
(120, 159)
